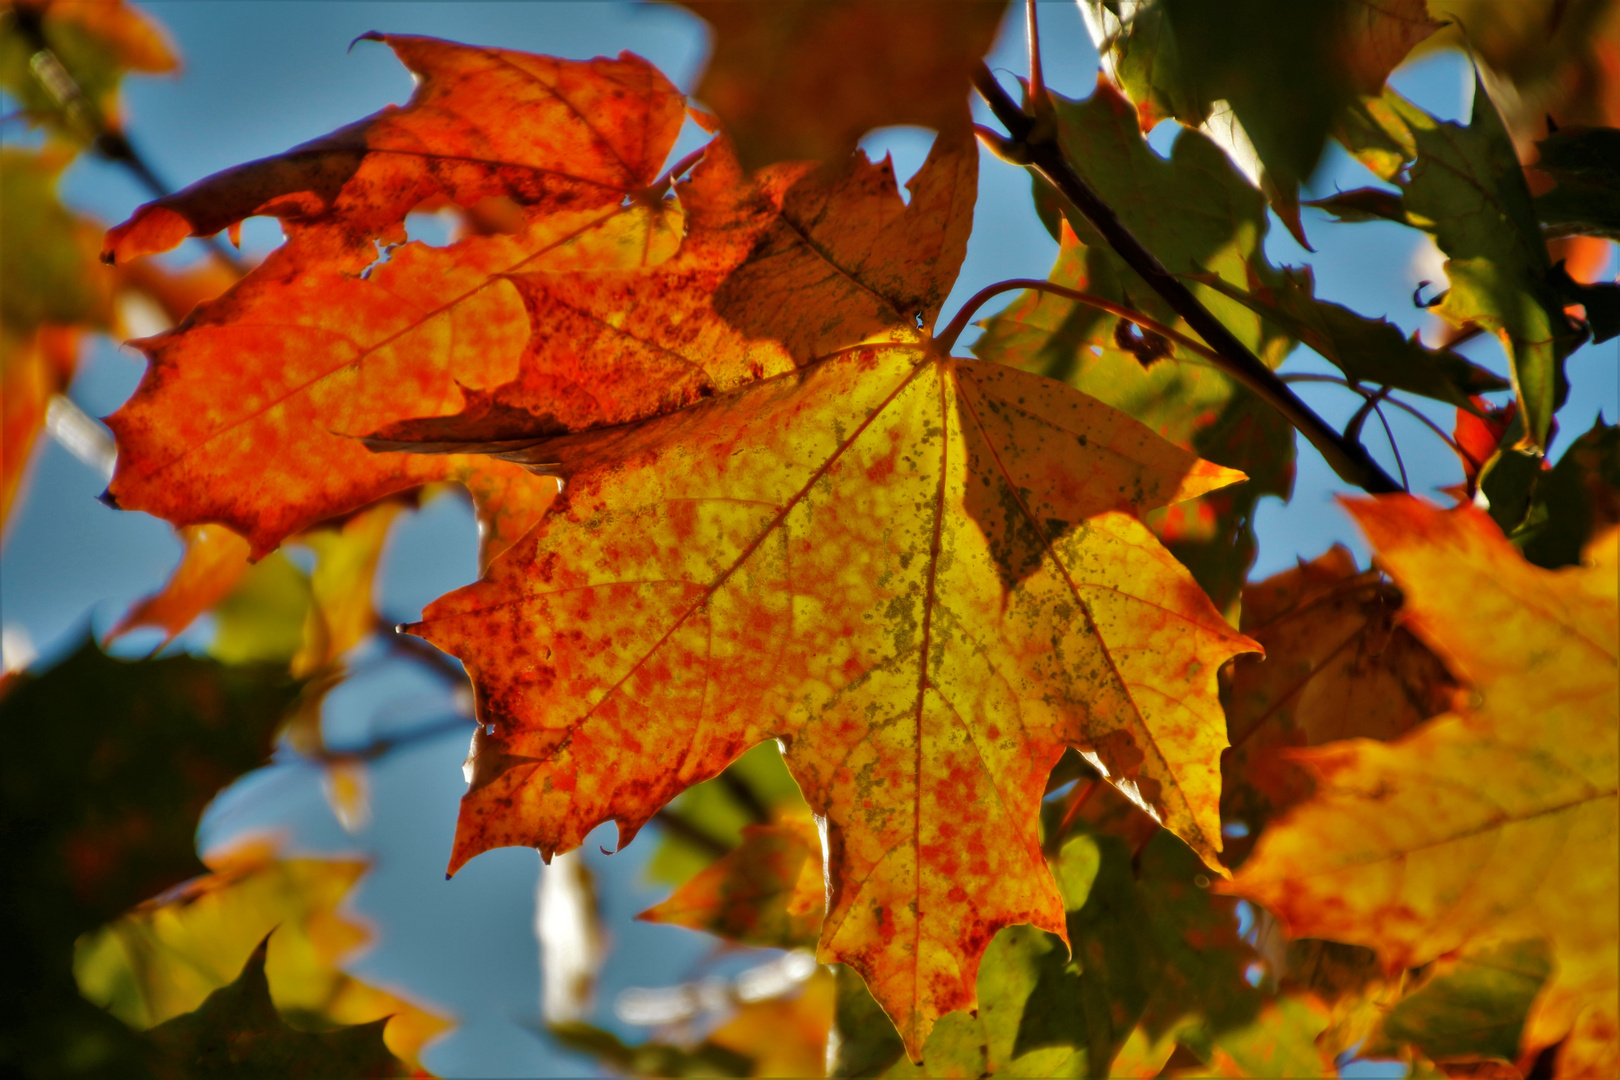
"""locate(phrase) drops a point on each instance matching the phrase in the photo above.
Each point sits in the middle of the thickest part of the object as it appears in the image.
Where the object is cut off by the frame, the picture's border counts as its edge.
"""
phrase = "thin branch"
(1039, 150)
(1392, 399)
(679, 825)
(1390, 435)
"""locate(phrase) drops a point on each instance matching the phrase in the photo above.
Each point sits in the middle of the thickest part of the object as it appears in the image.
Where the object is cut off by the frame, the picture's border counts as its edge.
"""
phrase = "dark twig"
(740, 790)
(1038, 149)
(1392, 399)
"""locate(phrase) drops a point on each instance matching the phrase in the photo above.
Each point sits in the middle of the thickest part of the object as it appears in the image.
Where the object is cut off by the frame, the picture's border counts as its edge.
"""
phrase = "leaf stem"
(947, 337)
(1040, 151)
(1392, 399)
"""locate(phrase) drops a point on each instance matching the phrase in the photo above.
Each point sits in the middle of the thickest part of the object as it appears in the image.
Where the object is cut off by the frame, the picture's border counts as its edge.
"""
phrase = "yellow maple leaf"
(1491, 823)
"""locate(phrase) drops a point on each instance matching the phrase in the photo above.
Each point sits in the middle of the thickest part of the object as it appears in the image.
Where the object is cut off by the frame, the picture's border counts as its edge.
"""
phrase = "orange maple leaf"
(1495, 822)
(317, 342)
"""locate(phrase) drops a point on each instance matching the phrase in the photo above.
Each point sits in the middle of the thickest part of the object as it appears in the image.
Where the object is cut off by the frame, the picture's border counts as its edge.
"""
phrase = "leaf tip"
(369, 35)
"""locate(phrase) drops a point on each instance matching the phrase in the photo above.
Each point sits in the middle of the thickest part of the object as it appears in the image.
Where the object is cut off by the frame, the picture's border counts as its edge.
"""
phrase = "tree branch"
(1039, 150)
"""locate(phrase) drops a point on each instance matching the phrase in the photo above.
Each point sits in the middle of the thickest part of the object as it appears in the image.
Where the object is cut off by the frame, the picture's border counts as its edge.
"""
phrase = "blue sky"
(262, 75)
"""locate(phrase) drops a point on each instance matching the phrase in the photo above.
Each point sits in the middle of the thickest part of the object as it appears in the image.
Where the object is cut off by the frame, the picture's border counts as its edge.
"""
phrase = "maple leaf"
(1492, 823)
(799, 79)
(768, 891)
(164, 958)
(906, 567)
(1157, 966)
(1217, 228)
(317, 343)
(237, 1032)
(1337, 666)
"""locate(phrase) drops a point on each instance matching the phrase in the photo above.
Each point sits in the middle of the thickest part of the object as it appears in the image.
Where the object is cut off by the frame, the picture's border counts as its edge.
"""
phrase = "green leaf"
(1371, 351)
(48, 267)
(1465, 187)
(1198, 214)
(653, 1059)
(1284, 69)
(1475, 1009)
(1572, 501)
(237, 1034)
(1585, 162)
(1364, 204)
(106, 768)
(262, 620)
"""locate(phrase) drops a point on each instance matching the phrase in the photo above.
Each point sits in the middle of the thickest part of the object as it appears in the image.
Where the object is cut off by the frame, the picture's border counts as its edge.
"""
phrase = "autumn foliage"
(1070, 794)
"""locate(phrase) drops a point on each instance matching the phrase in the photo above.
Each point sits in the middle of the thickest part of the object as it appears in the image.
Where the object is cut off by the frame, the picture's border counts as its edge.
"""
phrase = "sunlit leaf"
(768, 891)
(1281, 70)
(1493, 823)
(316, 343)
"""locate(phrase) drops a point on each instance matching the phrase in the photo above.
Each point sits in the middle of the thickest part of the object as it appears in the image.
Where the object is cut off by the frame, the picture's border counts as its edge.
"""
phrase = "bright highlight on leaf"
(1493, 823)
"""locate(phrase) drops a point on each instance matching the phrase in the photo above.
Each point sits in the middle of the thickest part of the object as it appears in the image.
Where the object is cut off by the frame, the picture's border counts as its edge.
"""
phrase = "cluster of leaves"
(1044, 792)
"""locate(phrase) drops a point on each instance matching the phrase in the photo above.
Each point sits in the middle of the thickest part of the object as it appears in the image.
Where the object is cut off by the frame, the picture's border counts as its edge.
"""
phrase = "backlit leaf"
(316, 343)
(797, 79)
(1282, 70)
(1490, 824)
(738, 584)
(1368, 351)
